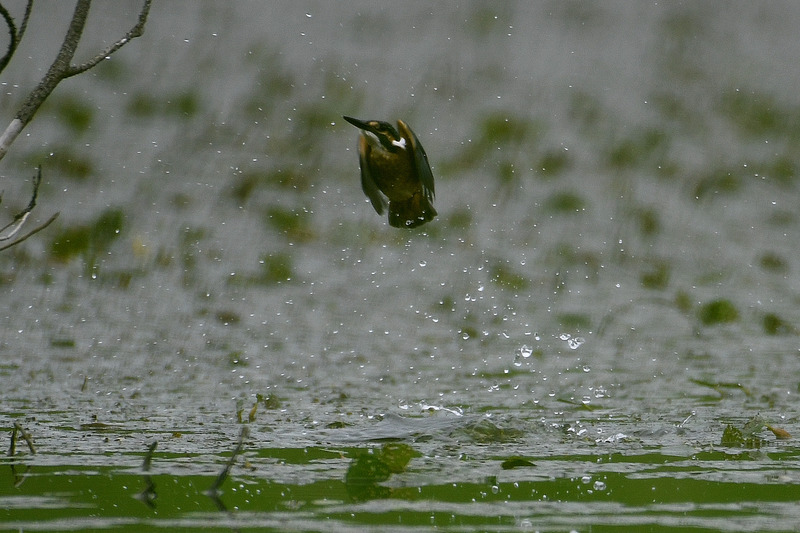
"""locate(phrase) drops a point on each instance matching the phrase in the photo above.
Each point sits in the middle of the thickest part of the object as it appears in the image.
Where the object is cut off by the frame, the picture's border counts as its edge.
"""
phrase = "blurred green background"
(615, 252)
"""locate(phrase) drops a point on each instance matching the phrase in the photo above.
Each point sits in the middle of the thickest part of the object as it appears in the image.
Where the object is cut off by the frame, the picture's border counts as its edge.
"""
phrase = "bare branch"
(20, 218)
(12, 449)
(61, 64)
(136, 31)
(12, 37)
(11, 132)
(15, 35)
(63, 68)
(26, 436)
(34, 231)
(25, 18)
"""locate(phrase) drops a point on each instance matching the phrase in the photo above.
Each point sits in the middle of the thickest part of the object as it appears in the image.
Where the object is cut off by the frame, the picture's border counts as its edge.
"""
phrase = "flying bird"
(395, 172)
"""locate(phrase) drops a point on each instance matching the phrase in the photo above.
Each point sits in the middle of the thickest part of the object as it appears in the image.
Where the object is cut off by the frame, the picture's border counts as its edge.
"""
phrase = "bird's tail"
(411, 213)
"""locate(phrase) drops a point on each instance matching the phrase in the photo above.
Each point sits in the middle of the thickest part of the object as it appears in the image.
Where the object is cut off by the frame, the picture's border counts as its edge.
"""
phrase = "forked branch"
(10, 230)
(61, 69)
(14, 34)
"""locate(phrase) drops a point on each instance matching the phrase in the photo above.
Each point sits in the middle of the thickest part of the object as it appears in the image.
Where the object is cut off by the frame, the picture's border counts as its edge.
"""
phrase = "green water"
(599, 332)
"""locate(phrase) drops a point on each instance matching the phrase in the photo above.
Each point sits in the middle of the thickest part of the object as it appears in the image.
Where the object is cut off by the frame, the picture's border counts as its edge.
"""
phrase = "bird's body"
(395, 172)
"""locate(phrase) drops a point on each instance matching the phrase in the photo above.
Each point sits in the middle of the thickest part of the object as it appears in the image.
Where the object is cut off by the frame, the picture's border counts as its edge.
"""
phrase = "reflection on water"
(609, 285)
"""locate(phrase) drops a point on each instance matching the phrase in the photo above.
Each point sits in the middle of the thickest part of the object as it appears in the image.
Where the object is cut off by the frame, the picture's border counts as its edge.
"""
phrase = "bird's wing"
(367, 183)
(420, 160)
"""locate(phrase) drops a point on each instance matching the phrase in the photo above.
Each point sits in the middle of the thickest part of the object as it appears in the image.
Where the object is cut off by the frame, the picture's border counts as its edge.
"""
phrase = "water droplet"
(575, 343)
(522, 353)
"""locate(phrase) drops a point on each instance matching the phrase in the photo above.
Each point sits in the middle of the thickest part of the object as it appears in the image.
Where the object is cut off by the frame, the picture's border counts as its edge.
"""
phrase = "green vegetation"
(718, 312)
(88, 240)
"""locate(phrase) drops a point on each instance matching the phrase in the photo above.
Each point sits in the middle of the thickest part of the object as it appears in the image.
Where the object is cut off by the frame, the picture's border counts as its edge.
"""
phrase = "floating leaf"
(89, 240)
(486, 432)
(775, 325)
(226, 316)
(508, 278)
(753, 426)
(515, 462)
(396, 456)
(772, 262)
(657, 277)
(553, 162)
(375, 466)
(746, 437)
(276, 268)
(720, 386)
(718, 312)
(731, 436)
(565, 202)
(270, 401)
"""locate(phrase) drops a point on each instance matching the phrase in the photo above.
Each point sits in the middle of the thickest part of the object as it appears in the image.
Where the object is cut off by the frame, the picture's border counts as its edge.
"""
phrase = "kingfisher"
(395, 172)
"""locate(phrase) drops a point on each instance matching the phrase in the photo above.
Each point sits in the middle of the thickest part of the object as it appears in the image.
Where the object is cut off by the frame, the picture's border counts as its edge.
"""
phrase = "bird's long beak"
(360, 124)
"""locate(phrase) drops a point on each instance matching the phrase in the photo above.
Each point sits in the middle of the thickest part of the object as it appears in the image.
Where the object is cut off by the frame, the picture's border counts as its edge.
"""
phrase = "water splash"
(573, 342)
(524, 352)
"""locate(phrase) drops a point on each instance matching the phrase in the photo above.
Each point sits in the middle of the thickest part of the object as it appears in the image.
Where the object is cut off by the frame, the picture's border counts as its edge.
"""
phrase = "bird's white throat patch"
(376, 143)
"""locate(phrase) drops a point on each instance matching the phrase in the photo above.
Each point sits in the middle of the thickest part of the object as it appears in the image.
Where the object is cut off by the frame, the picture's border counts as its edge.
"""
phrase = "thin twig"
(62, 68)
(12, 37)
(25, 18)
(148, 495)
(22, 216)
(26, 436)
(32, 232)
(12, 449)
(19, 218)
(136, 31)
(214, 490)
(148, 457)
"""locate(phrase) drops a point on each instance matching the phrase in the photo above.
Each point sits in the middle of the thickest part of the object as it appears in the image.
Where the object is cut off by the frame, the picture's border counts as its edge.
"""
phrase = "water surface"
(610, 285)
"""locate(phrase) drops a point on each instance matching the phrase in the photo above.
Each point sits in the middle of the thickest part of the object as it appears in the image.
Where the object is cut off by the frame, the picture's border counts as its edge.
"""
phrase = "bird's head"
(383, 131)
